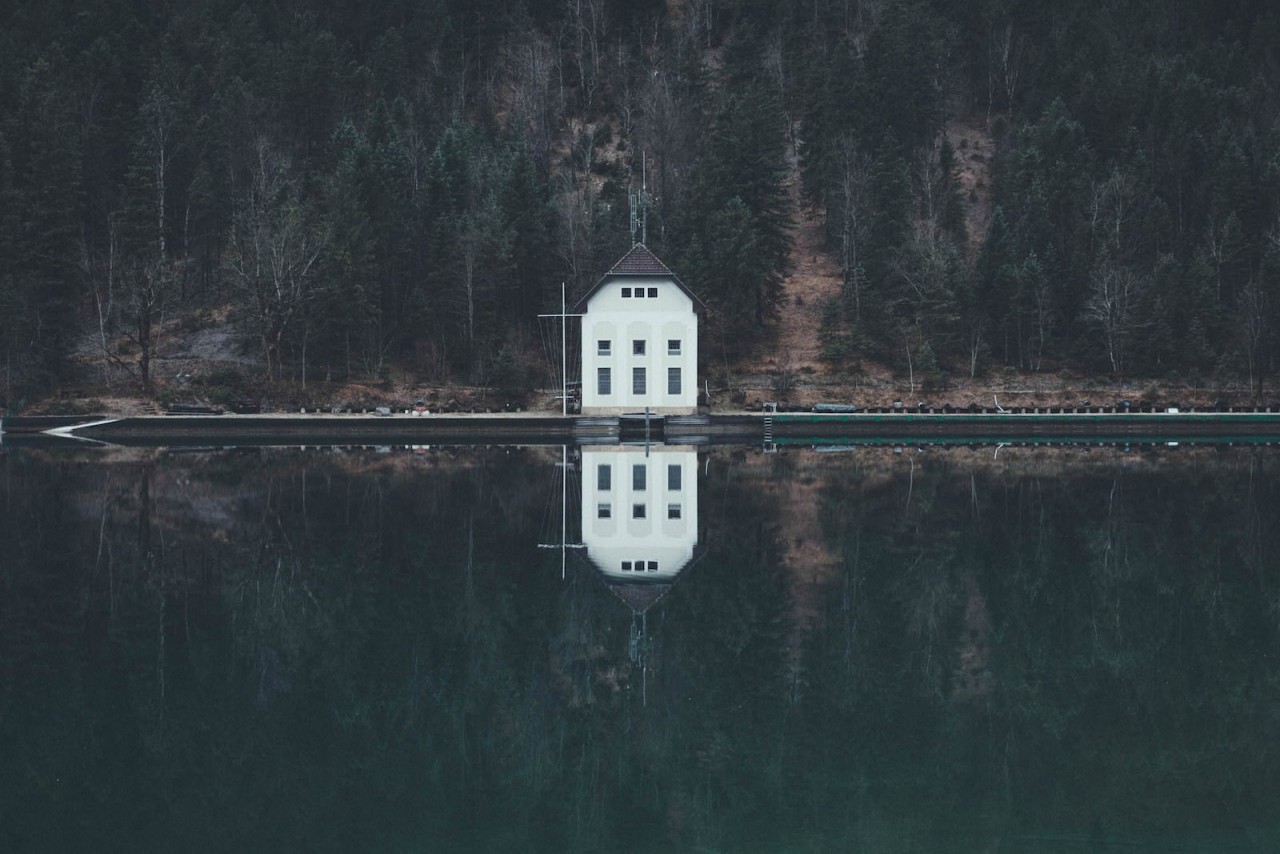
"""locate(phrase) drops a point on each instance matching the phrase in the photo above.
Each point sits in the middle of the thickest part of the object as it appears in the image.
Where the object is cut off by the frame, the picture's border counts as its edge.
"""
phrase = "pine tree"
(733, 218)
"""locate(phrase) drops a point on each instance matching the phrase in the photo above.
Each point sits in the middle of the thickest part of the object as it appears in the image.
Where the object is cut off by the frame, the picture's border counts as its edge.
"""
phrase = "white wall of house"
(665, 314)
(639, 510)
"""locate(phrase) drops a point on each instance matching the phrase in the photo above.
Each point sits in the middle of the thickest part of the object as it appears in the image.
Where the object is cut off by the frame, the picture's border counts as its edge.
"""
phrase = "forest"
(356, 188)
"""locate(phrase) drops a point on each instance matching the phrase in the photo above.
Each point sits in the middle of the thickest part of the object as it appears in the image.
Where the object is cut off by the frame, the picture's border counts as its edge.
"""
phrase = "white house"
(639, 517)
(639, 340)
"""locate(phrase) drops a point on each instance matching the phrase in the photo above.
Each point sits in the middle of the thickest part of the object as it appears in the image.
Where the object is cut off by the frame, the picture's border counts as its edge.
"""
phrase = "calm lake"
(507, 649)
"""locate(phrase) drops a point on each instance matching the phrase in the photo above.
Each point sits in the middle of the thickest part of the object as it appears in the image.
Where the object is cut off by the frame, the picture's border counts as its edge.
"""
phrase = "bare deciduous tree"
(1253, 312)
(855, 174)
(1113, 303)
(274, 249)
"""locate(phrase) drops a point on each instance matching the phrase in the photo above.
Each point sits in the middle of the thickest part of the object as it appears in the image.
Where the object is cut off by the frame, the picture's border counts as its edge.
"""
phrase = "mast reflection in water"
(639, 524)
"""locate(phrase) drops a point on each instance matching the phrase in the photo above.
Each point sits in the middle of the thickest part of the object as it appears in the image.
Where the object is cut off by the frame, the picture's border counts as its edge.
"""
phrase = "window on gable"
(653, 566)
(626, 566)
(626, 292)
(653, 293)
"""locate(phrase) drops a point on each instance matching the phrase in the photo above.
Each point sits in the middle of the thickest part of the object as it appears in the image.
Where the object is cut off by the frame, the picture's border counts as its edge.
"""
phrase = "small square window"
(626, 566)
(604, 477)
(637, 511)
(637, 347)
(639, 293)
(673, 511)
(604, 511)
(653, 566)
(604, 348)
(626, 292)
(673, 346)
(653, 293)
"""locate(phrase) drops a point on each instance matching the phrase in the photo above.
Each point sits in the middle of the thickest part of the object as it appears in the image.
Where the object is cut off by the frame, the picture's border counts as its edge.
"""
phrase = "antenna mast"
(640, 205)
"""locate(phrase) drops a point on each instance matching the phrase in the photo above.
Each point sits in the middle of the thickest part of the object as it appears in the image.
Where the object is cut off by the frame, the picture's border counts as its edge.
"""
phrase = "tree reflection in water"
(289, 651)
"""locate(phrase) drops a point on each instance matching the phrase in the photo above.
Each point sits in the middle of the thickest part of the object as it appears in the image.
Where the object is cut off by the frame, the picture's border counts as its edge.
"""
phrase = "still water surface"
(279, 650)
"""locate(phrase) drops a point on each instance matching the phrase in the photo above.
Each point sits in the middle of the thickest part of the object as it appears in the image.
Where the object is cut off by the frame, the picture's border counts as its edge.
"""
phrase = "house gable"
(639, 266)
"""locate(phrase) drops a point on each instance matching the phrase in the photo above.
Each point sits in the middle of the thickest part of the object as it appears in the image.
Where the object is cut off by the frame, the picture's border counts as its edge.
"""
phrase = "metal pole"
(564, 506)
(563, 354)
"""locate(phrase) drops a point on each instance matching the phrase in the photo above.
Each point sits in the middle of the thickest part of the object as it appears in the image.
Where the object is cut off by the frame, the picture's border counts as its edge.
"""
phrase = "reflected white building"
(639, 518)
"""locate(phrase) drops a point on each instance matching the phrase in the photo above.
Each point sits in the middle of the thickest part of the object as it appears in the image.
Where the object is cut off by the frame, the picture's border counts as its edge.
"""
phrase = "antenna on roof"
(644, 198)
(640, 205)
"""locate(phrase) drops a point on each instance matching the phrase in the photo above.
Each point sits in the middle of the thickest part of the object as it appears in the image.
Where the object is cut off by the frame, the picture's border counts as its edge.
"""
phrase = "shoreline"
(768, 429)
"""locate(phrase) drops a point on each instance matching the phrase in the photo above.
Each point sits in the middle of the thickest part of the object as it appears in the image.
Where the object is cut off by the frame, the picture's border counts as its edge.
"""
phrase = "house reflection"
(640, 518)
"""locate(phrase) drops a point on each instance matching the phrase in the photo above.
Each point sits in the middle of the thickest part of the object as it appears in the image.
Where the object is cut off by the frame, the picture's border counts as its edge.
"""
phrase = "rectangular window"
(626, 566)
(637, 347)
(604, 477)
(604, 348)
(626, 293)
(673, 511)
(653, 293)
(639, 293)
(673, 380)
(653, 566)
(673, 346)
(604, 511)
(638, 385)
(638, 477)
(673, 477)
(604, 381)
(637, 511)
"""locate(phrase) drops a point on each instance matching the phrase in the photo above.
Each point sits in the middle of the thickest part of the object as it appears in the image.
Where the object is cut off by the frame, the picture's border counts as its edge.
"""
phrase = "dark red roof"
(640, 597)
(638, 263)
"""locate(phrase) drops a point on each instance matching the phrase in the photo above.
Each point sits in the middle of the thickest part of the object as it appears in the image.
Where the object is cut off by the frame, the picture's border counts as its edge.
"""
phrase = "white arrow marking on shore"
(69, 431)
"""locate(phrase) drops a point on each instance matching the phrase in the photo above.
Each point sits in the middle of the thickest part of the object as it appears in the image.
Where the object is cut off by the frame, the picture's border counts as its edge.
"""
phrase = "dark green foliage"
(466, 157)
(733, 230)
(1128, 138)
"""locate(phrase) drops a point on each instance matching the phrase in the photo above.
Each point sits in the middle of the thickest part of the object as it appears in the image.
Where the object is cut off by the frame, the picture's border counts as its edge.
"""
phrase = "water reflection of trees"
(339, 652)
(1082, 651)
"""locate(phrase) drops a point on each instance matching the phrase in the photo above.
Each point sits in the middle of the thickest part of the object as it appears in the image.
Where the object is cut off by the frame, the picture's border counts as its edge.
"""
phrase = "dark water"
(327, 651)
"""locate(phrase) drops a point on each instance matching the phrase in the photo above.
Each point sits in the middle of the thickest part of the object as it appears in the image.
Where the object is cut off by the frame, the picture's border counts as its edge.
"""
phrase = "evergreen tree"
(733, 220)
(47, 189)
